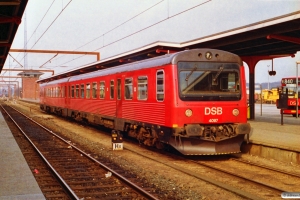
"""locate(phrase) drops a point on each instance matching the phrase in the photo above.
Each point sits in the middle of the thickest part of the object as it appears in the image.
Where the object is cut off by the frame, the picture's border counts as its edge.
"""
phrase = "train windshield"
(209, 81)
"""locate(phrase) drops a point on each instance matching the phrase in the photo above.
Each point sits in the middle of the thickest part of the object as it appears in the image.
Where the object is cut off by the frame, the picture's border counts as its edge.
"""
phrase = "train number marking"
(213, 111)
(213, 120)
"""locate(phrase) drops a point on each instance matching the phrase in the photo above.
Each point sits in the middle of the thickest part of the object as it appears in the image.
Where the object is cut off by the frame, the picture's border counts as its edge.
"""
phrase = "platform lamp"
(297, 98)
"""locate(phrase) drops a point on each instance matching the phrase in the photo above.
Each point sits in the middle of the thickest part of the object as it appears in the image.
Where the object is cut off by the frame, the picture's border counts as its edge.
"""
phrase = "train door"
(119, 99)
(66, 95)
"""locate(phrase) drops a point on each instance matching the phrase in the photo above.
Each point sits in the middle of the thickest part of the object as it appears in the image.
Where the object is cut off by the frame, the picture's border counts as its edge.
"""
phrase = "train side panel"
(193, 100)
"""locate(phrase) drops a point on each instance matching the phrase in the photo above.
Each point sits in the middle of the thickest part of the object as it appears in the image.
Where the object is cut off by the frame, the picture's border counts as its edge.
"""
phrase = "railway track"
(255, 181)
(231, 176)
(78, 174)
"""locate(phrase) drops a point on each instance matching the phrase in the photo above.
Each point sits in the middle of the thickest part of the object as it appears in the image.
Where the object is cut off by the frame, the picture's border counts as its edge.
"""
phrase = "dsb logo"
(213, 111)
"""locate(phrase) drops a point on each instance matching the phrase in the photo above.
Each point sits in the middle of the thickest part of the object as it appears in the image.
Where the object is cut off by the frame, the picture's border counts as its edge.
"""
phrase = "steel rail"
(139, 189)
(266, 167)
(219, 184)
(236, 175)
(65, 185)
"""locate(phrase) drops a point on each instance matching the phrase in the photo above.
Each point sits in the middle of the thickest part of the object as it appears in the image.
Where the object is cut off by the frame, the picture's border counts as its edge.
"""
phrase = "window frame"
(112, 89)
(130, 86)
(103, 89)
(94, 90)
(87, 90)
(139, 91)
(163, 86)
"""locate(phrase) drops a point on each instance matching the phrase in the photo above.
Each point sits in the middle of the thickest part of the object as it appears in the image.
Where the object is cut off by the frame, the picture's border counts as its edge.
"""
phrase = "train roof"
(189, 55)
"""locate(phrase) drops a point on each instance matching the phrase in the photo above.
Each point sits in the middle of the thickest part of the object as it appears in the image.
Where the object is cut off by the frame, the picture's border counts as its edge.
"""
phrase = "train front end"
(210, 113)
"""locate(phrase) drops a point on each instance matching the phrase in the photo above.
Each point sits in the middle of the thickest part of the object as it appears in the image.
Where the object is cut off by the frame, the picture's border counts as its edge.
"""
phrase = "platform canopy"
(11, 12)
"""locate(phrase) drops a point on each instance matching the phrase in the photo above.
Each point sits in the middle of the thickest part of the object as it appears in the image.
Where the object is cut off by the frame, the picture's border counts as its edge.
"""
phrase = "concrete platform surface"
(16, 179)
(268, 130)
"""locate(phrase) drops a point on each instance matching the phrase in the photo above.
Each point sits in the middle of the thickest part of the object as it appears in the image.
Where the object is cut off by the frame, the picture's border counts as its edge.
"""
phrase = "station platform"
(272, 139)
(16, 179)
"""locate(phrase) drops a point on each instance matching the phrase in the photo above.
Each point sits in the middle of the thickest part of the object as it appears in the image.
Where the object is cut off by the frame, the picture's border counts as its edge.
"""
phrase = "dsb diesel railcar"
(194, 100)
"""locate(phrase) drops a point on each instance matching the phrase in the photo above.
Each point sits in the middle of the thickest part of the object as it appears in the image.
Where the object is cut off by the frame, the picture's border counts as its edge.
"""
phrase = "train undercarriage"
(192, 139)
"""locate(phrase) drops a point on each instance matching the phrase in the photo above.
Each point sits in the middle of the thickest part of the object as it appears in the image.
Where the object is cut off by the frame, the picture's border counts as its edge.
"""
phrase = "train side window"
(128, 88)
(119, 88)
(94, 91)
(59, 91)
(88, 90)
(77, 91)
(62, 91)
(73, 91)
(102, 90)
(82, 91)
(160, 85)
(142, 93)
(65, 91)
(112, 89)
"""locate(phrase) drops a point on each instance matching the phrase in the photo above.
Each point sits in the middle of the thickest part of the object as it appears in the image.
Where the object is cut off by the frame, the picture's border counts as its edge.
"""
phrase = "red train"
(194, 100)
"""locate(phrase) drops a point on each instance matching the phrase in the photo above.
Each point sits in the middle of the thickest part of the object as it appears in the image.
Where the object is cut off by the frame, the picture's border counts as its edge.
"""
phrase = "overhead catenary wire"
(102, 35)
(50, 24)
(165, 19)
(121, 24)
(36, 28)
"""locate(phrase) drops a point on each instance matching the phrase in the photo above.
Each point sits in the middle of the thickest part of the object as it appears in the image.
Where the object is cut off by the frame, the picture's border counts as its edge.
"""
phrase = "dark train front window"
(209, 81)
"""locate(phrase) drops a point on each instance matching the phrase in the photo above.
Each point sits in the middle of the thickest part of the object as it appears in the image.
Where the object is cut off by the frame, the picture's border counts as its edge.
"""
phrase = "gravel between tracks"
(175, 185)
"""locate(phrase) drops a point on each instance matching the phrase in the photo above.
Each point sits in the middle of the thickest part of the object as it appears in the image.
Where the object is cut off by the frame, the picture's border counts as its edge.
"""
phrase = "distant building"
(30, 89)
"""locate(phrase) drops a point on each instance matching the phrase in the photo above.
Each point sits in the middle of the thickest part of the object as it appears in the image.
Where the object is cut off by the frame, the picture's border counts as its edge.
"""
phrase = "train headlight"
(235, 112)
(188, 112)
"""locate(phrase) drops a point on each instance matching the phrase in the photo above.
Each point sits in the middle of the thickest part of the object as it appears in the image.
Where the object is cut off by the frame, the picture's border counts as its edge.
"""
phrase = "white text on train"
(213, 111)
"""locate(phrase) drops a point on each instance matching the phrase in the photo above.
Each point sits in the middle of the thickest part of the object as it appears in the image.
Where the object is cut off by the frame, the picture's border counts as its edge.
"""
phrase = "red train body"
(193, 100)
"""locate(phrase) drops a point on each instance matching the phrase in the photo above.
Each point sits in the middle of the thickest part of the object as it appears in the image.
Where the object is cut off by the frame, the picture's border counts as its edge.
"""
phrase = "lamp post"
(297, 93)
(268, 79)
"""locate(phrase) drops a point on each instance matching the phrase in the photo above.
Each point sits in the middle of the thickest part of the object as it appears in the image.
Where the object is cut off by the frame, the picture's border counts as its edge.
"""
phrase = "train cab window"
(142, 93)
(102, 90)
(209, 81)
(73, 91)
(112, 89)
(119, 88)
(160, 85)
(128, 88)
(77, 91)
(88, 90)
(94, 91)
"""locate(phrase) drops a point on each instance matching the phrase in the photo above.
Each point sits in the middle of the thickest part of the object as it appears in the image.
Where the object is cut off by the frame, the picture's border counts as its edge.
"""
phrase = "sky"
(115, 27)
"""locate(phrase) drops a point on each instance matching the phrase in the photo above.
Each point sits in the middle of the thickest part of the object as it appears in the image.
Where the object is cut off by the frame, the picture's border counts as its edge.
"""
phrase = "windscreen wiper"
(219, 72)
(188, 76)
